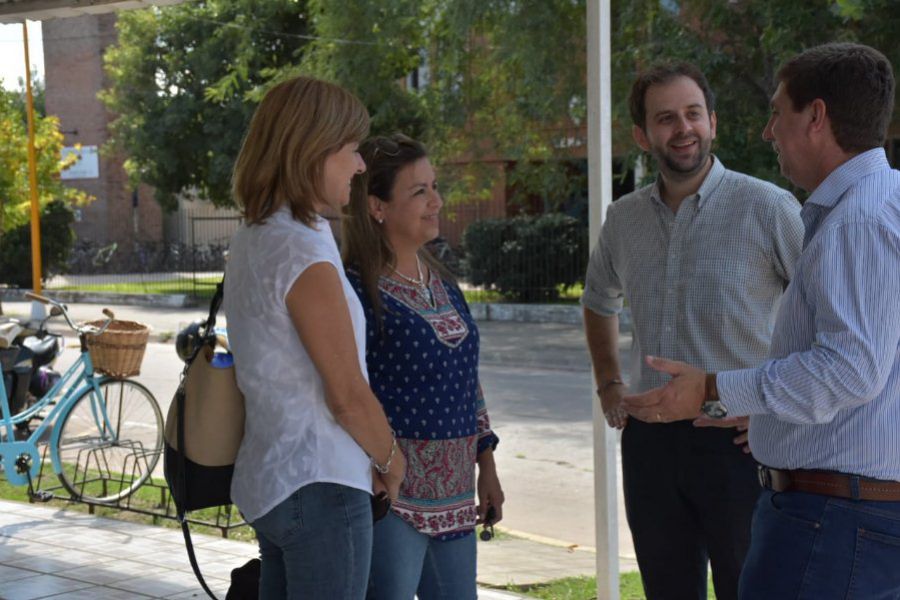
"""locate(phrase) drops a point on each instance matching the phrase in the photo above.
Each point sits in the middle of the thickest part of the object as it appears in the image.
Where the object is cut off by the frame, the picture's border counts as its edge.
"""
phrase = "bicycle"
(105, 434)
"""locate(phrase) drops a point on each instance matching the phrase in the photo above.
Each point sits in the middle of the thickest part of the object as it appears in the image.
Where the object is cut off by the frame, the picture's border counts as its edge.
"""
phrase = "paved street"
(537, 385)
(545, 456)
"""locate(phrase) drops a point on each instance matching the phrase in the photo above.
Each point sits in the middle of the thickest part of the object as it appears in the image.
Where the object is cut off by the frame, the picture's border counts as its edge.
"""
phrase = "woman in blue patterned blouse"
(422, 358)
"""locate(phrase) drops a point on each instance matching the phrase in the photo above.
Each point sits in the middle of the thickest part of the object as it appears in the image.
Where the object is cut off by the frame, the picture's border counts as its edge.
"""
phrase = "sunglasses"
(487, 528)
(386, 146)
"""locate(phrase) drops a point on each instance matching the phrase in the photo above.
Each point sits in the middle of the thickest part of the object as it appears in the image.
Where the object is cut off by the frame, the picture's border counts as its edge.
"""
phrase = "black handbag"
(203, 431)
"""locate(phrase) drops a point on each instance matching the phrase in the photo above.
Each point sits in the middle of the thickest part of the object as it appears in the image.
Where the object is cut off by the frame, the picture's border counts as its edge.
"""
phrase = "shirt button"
(668, 329)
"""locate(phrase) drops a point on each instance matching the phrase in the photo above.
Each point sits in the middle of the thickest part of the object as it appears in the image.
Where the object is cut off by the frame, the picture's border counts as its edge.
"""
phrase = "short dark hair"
(664, 73)
(856, 83)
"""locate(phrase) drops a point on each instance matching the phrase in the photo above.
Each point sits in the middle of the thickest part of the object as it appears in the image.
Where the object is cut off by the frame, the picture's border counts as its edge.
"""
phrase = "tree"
(15, 191)
(501, 80)
(504, 80)
(184, 82)
(740, 46)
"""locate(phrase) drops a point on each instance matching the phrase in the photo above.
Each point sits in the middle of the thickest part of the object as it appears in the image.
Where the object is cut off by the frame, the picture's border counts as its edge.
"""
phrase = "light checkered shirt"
(830, 398)
(703, 284)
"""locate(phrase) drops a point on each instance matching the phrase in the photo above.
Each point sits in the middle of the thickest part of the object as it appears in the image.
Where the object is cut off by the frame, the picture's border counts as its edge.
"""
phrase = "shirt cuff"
(487, 441)
(602, 305)
(740, 392)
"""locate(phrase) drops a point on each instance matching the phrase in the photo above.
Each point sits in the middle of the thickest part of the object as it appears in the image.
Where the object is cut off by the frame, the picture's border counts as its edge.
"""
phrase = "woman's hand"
(391, 481)
(490, 494)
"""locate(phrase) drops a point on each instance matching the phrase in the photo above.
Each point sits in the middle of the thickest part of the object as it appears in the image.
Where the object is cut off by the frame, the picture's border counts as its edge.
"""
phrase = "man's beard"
(680, 170)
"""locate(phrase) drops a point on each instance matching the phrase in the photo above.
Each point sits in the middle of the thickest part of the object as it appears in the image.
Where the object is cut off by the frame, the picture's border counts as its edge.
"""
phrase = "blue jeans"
(808, 546)
(316, 544)
(406, 563)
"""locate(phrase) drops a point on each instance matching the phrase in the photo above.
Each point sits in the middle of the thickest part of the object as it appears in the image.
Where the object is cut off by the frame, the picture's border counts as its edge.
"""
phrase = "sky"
(12, 53)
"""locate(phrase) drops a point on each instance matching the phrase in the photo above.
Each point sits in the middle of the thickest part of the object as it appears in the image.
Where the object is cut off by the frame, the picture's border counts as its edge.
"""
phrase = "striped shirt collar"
(710, 183)
(839, 181)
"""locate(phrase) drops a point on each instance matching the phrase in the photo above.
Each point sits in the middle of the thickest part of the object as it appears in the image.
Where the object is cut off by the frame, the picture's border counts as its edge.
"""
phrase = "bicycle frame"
(79, 377)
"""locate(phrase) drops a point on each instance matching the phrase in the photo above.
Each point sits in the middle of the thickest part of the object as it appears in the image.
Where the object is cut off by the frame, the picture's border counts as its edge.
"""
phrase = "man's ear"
(713, 121)
(640, 138)
(818, 115)
(376, 208)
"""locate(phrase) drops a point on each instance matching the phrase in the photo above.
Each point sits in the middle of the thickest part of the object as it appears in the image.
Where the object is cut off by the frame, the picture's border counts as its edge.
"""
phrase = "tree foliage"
(183, 81)
(15, 190)
(740, 46)
(502, 81)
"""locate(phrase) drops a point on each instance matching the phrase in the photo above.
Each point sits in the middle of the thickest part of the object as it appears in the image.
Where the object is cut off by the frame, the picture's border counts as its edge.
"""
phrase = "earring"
(380, 221)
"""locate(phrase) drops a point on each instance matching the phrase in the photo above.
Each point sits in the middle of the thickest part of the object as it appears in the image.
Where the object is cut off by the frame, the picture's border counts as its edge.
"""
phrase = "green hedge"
(57, 238)
(526, 258)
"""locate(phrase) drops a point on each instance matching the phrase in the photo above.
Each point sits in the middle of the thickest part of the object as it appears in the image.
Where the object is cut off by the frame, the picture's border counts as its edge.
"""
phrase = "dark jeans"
(812, 547)
(689, 499)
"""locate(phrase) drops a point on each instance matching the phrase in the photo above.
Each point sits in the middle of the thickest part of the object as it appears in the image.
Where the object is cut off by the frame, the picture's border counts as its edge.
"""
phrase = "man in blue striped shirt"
(825, 408)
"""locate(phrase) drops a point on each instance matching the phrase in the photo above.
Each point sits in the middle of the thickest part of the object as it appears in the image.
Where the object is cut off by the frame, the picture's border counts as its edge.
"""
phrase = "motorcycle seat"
(44, 349)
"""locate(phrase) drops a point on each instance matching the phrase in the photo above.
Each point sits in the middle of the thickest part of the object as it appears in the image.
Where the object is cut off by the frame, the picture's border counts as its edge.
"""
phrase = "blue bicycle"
(104, 435)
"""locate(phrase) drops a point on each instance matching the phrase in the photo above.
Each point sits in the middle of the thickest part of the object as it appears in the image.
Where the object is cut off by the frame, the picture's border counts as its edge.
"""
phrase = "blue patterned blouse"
(423, 367)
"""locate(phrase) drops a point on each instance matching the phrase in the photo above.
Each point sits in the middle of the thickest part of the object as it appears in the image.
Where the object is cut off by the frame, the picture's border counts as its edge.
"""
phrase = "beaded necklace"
(420, 283)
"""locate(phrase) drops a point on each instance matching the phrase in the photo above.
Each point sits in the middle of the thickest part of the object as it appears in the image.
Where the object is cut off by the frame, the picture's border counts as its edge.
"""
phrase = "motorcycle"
(28, 352)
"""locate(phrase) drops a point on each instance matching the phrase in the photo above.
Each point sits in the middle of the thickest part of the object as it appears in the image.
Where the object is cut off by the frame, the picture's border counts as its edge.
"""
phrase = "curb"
(152, 300)
(570, 314)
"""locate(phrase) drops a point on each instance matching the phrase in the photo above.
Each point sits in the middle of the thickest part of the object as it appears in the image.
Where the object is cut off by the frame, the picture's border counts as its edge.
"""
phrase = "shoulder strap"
(209, 332)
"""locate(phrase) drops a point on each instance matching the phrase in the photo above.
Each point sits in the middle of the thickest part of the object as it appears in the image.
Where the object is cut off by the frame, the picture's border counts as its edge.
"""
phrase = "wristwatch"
(712, 407)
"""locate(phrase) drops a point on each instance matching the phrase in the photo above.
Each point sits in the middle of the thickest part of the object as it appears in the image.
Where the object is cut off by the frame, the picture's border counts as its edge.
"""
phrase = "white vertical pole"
(599, 198)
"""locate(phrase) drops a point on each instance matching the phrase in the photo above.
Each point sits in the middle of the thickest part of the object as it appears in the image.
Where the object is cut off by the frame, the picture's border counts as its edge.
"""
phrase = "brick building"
(73, 62)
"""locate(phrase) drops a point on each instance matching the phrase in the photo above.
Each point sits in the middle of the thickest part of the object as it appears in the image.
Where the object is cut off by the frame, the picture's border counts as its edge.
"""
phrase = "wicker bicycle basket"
(119, 350)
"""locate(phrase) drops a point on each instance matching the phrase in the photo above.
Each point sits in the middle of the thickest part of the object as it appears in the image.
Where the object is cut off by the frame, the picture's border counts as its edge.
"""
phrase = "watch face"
(714, 410)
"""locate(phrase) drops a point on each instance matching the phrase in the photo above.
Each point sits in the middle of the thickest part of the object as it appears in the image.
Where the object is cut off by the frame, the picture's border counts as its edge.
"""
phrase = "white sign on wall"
(86, 167)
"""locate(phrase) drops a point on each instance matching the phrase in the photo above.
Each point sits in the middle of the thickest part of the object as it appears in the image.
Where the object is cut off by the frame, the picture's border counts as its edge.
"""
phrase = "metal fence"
(190, 262)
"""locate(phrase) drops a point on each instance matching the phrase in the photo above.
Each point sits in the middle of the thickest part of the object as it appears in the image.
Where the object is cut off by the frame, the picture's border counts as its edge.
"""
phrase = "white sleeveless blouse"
(290, 437)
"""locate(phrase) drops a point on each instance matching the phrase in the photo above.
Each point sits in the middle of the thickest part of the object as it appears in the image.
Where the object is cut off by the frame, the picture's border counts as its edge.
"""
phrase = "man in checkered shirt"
(702, 256)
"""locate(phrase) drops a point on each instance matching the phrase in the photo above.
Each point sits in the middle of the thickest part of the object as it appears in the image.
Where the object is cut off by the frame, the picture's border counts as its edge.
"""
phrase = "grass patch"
(203, 287)
(585, 588)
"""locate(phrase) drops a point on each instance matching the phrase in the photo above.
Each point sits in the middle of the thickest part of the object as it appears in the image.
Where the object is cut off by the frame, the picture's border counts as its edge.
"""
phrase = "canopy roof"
(15, 11)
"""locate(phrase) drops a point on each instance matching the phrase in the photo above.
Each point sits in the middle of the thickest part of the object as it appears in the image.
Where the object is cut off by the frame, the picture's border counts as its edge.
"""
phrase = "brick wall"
(73, 63)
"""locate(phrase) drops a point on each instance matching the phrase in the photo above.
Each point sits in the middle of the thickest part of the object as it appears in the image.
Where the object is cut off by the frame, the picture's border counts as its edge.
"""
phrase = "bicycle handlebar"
(88, 329)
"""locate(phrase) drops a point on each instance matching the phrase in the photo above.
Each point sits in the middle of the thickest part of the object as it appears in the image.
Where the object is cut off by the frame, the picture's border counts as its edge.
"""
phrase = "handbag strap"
(181, 503)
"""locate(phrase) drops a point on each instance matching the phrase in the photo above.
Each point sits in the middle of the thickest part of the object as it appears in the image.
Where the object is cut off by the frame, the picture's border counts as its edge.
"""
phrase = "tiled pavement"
(65, 555)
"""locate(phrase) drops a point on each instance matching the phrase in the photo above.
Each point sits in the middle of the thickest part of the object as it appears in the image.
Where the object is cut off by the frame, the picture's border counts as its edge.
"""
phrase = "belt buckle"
(764, 476)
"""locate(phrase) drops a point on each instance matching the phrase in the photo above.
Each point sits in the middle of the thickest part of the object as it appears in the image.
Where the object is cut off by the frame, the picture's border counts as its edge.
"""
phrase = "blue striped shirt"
(829, 397)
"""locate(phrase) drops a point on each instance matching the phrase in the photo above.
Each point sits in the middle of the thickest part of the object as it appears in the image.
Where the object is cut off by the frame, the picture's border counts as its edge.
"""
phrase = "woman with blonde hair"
(314, 432)
(422, 357)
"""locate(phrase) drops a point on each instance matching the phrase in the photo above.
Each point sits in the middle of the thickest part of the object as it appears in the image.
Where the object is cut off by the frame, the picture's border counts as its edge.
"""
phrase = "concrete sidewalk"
(66, 555)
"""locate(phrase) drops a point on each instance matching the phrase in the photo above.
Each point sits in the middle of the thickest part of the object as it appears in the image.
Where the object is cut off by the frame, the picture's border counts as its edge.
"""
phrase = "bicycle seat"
(44, 349)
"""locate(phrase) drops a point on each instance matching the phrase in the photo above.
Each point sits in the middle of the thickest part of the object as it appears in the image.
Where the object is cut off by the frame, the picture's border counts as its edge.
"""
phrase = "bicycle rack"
(96, 470)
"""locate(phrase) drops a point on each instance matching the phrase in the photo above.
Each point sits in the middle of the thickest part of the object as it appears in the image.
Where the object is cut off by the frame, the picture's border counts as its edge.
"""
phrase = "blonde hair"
(298, 124)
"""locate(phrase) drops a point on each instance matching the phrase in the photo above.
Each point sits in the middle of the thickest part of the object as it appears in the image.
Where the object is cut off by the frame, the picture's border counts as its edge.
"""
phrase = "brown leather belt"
(829, 483)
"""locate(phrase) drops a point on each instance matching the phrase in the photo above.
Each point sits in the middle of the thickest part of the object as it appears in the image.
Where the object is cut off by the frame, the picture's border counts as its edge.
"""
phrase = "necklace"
(420, 283)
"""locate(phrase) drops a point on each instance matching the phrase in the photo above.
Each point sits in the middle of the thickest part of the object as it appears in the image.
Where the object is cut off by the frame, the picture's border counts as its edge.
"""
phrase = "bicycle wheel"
(106, 460)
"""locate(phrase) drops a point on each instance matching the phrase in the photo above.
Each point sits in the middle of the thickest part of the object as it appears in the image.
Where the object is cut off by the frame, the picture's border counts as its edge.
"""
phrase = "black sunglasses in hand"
(487, 528)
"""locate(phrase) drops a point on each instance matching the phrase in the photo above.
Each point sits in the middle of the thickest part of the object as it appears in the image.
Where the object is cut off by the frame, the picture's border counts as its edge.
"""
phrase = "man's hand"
(679, 399)
(611, 402)
(742, 424)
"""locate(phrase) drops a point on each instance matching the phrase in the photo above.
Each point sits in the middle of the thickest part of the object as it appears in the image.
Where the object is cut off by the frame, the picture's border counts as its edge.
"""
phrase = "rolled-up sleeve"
(487, 439)
(602, 287)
